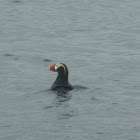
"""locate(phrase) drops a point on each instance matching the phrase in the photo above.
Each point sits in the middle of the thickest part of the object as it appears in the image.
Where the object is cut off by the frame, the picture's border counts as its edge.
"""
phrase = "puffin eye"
(56, 66)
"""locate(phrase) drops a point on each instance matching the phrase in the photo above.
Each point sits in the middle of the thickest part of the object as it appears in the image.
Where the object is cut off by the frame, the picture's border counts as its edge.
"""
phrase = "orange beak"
(52, 68)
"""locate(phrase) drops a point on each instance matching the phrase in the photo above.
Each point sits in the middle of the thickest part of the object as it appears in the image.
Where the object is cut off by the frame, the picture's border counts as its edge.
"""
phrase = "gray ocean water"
(100, 43)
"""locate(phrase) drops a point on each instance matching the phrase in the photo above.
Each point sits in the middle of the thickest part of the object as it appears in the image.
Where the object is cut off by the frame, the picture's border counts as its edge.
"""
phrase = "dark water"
(100, 43)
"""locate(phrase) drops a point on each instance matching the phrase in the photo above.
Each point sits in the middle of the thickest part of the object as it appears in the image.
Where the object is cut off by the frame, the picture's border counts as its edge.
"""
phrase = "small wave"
(78, 87)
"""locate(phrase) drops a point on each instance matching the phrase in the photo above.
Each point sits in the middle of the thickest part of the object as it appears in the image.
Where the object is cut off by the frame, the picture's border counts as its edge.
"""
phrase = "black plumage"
(61, 83)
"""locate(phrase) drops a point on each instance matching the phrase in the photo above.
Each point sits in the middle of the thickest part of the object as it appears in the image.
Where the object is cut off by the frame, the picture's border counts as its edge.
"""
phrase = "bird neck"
(62, 77)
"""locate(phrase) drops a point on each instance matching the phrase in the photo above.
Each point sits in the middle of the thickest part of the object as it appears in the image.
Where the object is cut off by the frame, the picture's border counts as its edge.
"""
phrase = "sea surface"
(99, 41)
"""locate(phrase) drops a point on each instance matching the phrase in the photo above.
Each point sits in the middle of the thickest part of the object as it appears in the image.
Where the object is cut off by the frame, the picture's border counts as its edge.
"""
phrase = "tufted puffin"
(61, 82)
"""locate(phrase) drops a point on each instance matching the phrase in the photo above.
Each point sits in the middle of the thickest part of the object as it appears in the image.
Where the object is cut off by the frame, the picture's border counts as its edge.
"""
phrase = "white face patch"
(60, 65)
(57, 66)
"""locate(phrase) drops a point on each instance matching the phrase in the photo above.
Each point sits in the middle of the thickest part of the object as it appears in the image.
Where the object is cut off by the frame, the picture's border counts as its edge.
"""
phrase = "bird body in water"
(61, 83)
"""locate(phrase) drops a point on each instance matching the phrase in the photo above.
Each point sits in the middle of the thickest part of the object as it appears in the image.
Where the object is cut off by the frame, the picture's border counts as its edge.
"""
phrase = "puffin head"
(59, 67)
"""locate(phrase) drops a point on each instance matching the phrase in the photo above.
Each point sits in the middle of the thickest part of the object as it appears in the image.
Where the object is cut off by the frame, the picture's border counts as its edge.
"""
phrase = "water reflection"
(63, 96)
